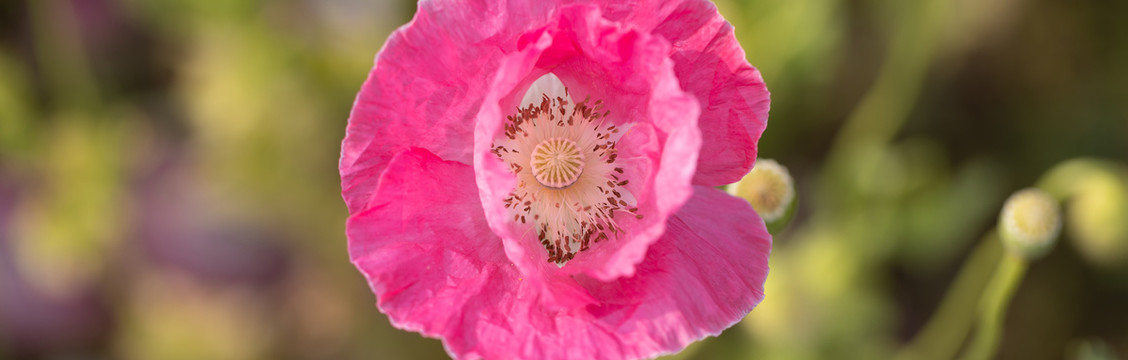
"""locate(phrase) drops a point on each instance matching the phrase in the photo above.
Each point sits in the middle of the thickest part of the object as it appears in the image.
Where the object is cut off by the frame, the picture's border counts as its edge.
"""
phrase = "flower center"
(557, 163)
(569, 184)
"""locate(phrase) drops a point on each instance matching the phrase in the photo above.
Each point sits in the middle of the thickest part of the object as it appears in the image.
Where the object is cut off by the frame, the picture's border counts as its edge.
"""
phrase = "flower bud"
(1030, 223)
(770, 190)
(1094, 193)
(1098, 218)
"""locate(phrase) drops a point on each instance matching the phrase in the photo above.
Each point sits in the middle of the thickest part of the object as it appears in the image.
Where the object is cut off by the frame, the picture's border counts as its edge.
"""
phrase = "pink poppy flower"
(524, 178)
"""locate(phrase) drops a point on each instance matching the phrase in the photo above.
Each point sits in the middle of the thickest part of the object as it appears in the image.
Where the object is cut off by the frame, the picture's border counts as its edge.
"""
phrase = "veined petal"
(423, 243)
(711, 65)
(436, 269)
(426, 86)
(720, 248)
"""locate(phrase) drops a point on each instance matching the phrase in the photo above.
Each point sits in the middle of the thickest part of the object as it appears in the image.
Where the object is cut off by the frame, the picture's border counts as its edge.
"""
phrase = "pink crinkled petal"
(436, 268)
(424, 246)
(700, 278)
(426, 86)
(704, 275)
(631, 73)
(711, 65)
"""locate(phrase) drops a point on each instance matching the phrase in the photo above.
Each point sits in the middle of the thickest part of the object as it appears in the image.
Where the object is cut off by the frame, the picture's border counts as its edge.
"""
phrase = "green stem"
(948, 327)
(58, 49)
(993, 307)
(886, 105)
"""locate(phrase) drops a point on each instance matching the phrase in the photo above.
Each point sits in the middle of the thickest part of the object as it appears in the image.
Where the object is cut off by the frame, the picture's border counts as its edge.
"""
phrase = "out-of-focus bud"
(1095, 195)
(1030, 223)
(771, 191)
(1098, 218)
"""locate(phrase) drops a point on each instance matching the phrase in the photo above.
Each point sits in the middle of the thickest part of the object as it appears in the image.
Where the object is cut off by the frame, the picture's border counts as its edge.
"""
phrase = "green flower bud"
(770, 190)
(1095, 195)
(1030, 223)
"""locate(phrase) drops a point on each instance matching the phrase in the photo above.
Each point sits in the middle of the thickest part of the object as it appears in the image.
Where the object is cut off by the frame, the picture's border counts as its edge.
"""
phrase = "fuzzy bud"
(1030, 223)
(770, 190)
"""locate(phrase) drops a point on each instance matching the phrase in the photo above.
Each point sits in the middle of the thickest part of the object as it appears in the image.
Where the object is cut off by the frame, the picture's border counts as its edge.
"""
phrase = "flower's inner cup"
(569, 185)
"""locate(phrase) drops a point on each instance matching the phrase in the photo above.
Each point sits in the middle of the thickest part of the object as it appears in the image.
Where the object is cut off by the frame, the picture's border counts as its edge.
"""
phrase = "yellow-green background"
(169, 186)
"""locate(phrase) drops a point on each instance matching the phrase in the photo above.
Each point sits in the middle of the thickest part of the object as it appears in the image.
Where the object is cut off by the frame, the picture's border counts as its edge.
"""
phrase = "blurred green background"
(169, 186)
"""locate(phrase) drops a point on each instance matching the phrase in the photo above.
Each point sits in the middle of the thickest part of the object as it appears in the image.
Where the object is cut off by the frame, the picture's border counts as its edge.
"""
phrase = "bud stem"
(993, 307)
(948, 327)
